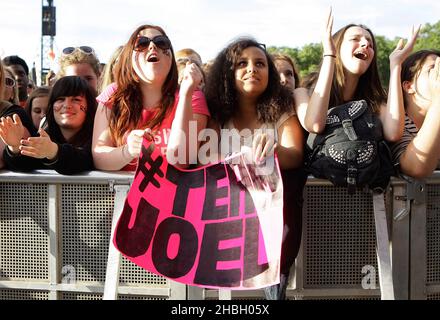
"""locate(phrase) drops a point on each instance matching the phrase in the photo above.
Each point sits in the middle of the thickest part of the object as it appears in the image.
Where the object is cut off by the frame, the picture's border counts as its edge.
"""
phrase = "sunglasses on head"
(262, 46)
(85, 49)
(9, 82)
(142, 43)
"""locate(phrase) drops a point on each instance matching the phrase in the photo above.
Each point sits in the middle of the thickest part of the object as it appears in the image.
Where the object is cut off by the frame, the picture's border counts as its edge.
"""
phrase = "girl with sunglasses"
(80, 61)
(246, 97)
(64, 141)
(145, 101)
(11, 113)
(11, 89)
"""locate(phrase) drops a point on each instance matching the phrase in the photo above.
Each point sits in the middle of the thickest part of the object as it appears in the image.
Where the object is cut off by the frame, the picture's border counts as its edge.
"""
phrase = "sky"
(204, 25)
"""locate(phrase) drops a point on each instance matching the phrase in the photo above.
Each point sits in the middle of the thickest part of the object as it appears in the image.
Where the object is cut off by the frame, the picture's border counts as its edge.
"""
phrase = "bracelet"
(330, 55)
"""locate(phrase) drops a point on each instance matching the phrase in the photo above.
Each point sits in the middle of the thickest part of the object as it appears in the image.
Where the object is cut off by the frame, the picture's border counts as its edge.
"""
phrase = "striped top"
(409, 133)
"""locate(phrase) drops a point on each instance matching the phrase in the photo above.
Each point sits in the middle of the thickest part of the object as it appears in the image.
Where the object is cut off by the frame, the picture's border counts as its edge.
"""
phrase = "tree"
(384, 49)
(307, 58)
(429, 37)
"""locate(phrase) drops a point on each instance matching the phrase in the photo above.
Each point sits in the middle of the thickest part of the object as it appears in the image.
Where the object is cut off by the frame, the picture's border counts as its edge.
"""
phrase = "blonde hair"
(183, 53)
(108, 74)
(77, 57)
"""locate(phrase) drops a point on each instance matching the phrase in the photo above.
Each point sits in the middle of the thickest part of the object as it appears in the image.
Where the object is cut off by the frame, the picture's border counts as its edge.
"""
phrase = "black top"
(69, 160)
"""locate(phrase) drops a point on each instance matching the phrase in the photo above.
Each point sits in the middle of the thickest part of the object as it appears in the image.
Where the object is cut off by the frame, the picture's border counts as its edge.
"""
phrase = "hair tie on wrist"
(330, 55)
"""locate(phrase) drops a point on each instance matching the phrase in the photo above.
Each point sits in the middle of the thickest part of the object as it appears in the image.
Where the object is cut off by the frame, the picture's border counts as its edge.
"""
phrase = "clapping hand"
(11, 132)
(39, 147)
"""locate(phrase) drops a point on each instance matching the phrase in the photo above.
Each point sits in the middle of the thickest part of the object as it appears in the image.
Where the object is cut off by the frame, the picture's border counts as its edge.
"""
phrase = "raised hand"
(328, 45)
(191, 79)
(11, 132)
(39, 147)
(401, 52)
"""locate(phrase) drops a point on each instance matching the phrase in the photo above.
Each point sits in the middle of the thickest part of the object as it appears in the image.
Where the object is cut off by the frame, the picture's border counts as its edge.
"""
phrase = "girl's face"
(70, 112)
(85, 71)
(420, 85)
(151, 63)
(357, 50)
(251, 72)
(286, 72)
(39, 108)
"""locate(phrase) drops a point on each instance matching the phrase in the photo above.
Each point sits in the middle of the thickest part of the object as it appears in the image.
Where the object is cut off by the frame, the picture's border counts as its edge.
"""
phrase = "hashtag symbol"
(152, 171)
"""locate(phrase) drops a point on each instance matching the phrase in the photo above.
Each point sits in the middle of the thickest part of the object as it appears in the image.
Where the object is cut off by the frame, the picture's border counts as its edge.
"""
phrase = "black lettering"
(184, 181)
(210, 210)
(251, 244)
(154, 169)
(134, 242)
(235, 189)
(207, 273)
(187, 252)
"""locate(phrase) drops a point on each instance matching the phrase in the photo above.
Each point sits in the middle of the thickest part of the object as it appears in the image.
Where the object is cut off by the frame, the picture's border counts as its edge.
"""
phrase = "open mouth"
(361, 55)
(152, 58)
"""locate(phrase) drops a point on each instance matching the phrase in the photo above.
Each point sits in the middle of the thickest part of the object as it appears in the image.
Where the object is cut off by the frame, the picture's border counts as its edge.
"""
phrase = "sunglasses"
(85, 49)
(9, 82)
(142, 43)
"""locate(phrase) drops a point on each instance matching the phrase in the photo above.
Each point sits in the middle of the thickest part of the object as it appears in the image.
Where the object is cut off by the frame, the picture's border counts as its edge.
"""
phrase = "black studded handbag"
(351, 151)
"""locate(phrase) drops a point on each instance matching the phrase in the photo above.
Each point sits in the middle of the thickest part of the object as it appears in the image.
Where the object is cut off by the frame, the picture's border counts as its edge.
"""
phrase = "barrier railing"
(55, 233)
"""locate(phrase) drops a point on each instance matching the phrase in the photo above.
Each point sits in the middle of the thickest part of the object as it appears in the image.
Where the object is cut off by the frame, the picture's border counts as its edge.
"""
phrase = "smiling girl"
(64, 141)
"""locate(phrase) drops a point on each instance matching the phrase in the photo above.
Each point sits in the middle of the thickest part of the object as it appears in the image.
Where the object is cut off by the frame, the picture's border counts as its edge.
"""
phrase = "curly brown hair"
(221, 93)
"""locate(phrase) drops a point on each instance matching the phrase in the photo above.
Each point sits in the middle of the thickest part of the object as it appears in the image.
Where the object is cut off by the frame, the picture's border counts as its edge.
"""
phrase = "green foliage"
(429, 37)
(309, 56)
(385, 47)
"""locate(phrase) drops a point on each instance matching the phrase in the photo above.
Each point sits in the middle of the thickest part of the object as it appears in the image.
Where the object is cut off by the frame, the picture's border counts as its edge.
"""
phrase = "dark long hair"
(369, 86)
(221, 93)
(127, 100)
(67, 87)
(412, 65)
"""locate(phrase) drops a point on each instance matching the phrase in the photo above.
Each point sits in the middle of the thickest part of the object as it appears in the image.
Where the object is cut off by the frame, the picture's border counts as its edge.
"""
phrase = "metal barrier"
(55, 232)
(54, 238)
